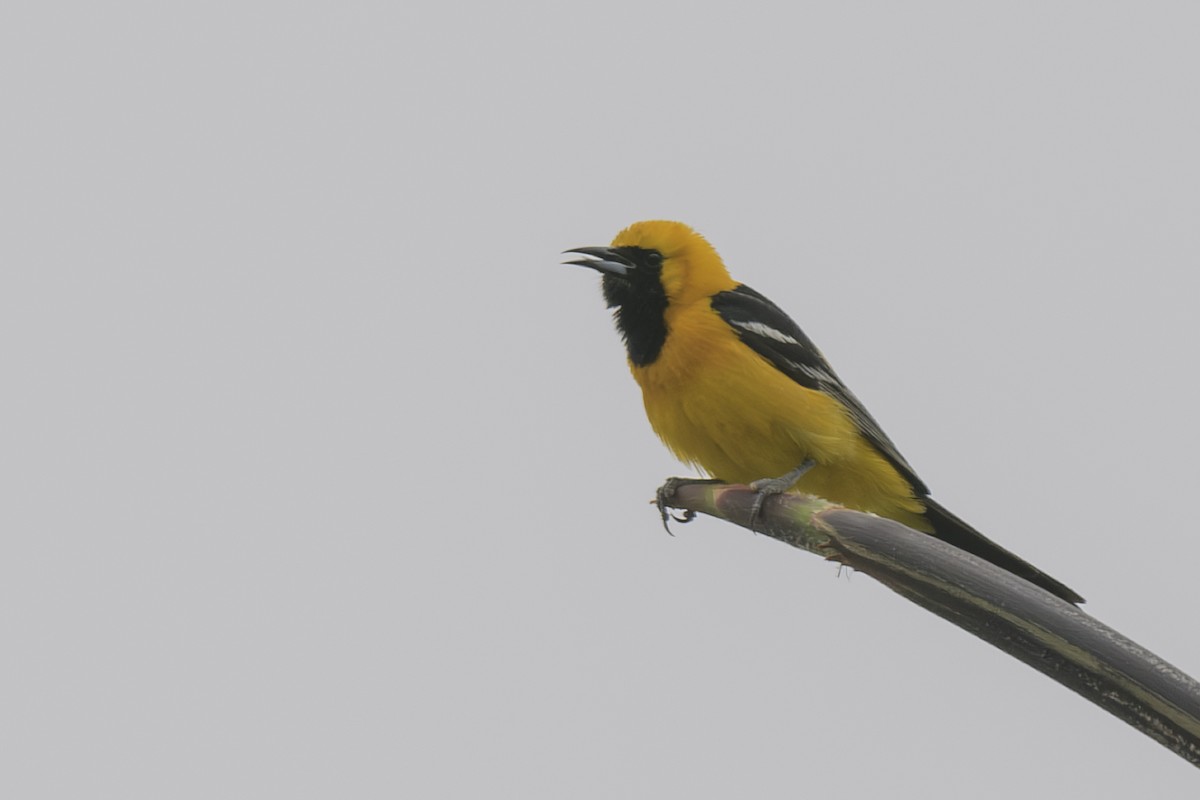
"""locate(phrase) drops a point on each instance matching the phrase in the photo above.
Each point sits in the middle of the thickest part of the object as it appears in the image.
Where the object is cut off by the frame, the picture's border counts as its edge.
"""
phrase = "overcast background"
(323, 479)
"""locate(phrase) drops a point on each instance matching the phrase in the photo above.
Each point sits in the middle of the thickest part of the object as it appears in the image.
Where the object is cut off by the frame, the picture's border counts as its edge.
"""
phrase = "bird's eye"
(654, 258)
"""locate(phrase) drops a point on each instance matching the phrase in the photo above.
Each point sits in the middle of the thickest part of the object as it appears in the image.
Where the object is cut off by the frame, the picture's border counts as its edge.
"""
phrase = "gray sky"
(324, 479)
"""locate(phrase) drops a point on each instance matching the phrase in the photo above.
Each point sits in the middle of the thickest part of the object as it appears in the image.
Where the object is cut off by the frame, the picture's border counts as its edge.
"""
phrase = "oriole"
(733, 386)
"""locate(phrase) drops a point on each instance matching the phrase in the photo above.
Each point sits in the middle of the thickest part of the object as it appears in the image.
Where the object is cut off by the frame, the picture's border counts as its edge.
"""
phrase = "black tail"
(952, 530)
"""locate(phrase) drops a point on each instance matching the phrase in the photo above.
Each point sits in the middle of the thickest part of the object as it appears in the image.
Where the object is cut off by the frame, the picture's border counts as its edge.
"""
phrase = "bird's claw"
(760, 497)
(767, 487)
(663, 497)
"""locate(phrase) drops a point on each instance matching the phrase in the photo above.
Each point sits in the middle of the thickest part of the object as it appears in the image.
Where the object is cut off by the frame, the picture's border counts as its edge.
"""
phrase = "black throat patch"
(640, 304)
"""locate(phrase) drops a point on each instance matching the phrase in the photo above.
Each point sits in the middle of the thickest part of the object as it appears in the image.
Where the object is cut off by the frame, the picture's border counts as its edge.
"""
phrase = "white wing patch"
(764, 330)
(815, 373)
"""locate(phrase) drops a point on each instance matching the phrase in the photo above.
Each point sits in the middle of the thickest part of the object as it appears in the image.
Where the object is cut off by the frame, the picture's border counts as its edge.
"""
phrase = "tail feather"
(952, 530)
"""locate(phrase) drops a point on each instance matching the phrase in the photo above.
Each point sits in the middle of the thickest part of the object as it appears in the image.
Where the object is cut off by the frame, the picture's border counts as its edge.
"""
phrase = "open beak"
(608, 260)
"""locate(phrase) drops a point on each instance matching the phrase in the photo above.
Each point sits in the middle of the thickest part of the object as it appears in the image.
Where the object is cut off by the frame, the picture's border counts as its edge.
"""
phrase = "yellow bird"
(733, 386)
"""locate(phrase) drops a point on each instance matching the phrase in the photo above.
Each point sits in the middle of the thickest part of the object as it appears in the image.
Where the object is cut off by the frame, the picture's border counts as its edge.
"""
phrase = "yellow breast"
(720, 406)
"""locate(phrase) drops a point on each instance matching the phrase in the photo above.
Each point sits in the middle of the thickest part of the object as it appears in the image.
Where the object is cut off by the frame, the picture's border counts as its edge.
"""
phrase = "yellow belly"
(727, 410)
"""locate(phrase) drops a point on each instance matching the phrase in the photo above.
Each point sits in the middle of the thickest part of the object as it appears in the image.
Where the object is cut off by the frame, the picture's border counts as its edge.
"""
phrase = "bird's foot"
(766, 487)
(663, 497)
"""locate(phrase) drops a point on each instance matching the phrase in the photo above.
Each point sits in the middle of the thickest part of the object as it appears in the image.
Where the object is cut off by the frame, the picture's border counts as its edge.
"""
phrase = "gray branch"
(1047, 633)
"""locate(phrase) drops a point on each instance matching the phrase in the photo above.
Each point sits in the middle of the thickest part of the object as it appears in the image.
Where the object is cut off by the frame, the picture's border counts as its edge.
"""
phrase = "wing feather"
(771, 333)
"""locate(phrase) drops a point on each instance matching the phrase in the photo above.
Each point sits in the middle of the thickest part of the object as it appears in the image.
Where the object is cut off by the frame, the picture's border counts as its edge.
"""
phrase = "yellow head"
(691, 268)
(649, 266)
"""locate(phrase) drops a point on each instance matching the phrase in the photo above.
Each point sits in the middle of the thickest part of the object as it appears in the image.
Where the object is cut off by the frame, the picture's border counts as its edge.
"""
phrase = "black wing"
(772, 334)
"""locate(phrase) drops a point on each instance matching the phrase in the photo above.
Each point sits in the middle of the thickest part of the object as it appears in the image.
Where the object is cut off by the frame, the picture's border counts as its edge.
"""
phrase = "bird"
(736, 389)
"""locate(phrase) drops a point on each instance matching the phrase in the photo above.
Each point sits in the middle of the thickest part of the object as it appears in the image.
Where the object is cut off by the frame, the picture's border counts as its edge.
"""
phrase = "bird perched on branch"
(732, 385)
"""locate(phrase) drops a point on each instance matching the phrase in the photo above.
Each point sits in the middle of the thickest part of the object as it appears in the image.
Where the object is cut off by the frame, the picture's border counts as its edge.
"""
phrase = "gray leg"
(769, 486)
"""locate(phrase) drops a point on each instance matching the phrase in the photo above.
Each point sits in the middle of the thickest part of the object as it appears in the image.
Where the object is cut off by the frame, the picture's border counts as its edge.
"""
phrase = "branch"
(1030, 624)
